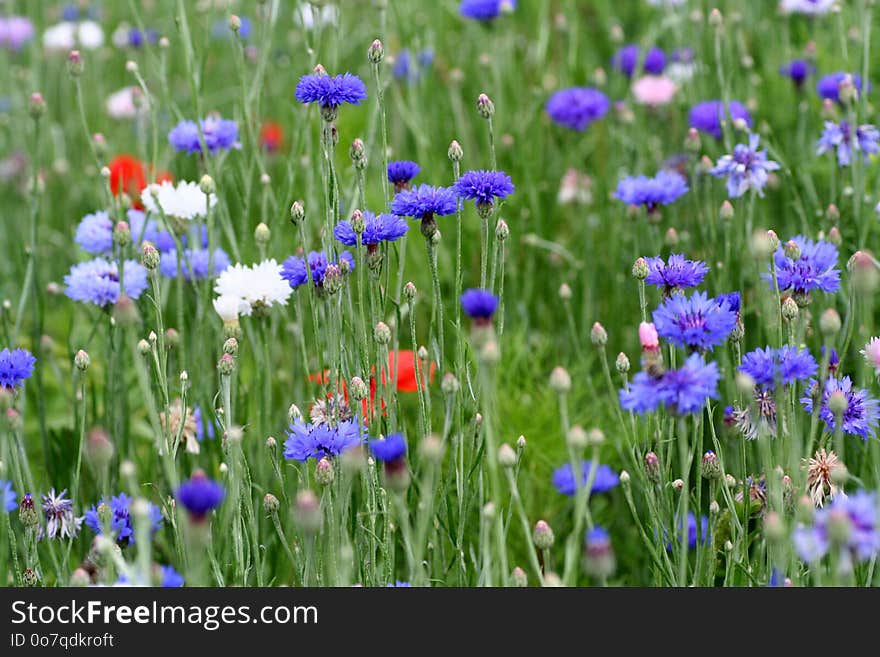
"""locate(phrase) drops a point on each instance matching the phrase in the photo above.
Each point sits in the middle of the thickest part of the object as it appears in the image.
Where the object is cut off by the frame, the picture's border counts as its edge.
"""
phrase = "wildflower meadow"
(392, 293)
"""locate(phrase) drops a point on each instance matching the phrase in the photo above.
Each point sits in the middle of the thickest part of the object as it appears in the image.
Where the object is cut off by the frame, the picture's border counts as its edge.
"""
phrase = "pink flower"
(654, 90)
(871, 352)
(648, 337)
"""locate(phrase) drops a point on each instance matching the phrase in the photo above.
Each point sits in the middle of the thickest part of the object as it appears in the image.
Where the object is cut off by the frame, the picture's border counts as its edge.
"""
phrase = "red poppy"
(128, 175)
(271, 136)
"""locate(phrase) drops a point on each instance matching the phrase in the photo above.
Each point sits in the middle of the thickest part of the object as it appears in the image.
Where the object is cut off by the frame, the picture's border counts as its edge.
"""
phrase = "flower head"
(695, 322)
(814, 270)
(170, 578)
(218, 134)
(871, 352)
(15, 31)
(305, 441)
(626, 60)
(97, 281)
(770, 367)
(821, 476)
(664, 188)
(119, 519)
(58, 511)
(402, 171)
(479, 304)
(8, 498)
(196, 264)
(485, 10)
(185, 200)
(390, 448)
(798, 70)
(708, 116)
(378, 228)
(331, 91)
(259, 286)
(862, 410)
(295, 273)
(424, 200)
(809, 7)
(828, 86)
(676, 273)
(859, 514)
(840, 137)
(746, 168)
(200, 495)
(577, 107)
(483, 186)
(16, 365)
(604, 478)
(654, 90)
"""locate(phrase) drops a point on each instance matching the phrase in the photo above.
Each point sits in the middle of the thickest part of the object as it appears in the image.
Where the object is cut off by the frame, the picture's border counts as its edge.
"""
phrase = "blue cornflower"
(294, 271)
(664, 188)
(170, 577)
(485, 10)
(119, 520)
(331, 91)
(707, 116)
(732, 299)
(221, 30)
(378, 228)
(218, 133)
(200, 495)
(483, 187)
(204, 429)
(97, 281)
(404, 68)
(94, 234)
(746, 168)
(814, 270)
(400, 172)
(58, 512)
(860, 512)
(676, 273)
(137, 38)
(692, 531)
(388, 449)
(695, 322)
(604, 478)
(840, 137)
(769, 367)
(577, 107)
(828, 86)
(16, 365)
(682, 391)
(626, 60)
(479, 304)
(8, 498)
(423, 201)
(194, 263)
(862, 410)
(398, 585)
(305, 441)
(798, 70)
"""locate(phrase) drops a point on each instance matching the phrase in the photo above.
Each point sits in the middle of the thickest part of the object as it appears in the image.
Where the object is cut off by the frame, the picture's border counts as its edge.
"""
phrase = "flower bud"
(207, 185)
(226, 365)
(502, 231)
(234, 23)
(99, 449)
(324, 473)
(485, 106)
(409, 291)
(358, 224)
(543, 535)
(560, 381)
(262, 234)
(792, 250)
(381, 333)
(455, 153)
(150, 256)
(506, 456)
(297, 213)
(577, 438)
(829, 323)
(692, 141)
(431, 449)
(652, 467)
(449, 385)
(622, 363)
(710, 466)
(678, 485)
(359, 390)
(518, 578)
(376, 52)
(726, 212)
(307, 511)
(82, 360)
(790, 309)
(358, 154)
(143, 347)
(837, 402)
(36, 105)
(598, 335)
(640, 269)
(565, 292)
(75, 64)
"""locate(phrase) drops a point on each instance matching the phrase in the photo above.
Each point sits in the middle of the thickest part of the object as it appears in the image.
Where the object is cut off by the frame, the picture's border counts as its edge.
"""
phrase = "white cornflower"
(229, 307)
(121, 105)
(184, 200)
(871, 352)
(257, 287)
(67, 35)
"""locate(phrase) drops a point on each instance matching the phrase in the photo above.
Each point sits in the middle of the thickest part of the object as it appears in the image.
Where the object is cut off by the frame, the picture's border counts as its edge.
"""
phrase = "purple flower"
(707, 116)
(732, 299)
(677, 273)
(626, 60)
(479, 304)
(664, 188)
(15, 31)
(692, 531)
(378, 228)
(200, 495)
(390, 448)
(859, 513)
(218, 133)
(294, 271)
(305, 441)
(839, 137)
(862, 410)
(97, 281)
(8, 498)
(424, 200)
(402, 171)
(16, 365)
(798, 70)
(94, 234)
(119, 519)
(815, 269)
(170, 577)
(577, 107)
(682, 391)
(483, 187)
(485, 10)
(604, 478)
(695, 322)
(194, 264)
(58, 512)
(746, 168)
(828, 86)
(331, 91)
(770, 367)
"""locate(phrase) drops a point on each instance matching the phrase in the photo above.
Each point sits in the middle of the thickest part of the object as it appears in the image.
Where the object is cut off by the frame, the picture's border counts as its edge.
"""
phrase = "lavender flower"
(859, 514)
(16, 365)
(626, 60)
(119, 519)
(294, 271)
(682, 391)
(577, 107)
(331, 91)
(8, 498)
(97, 281)
(808, 7)
(664, 188)
(828, 86)
(483, 187)
(60, 521)
(218, 133)
(840, 137)
(194, 264)
(604, 478)
(305, 441)
(676, 273)
(94, 234)
(746, 168)
(770, 367)
(423, 201)
(798, 70)
(378, 228)
(814, 270)
(15, 31)
(862, 410)
(199, 495)
(479, 304)
(695, 322)
(708, 115)
(485, 10)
